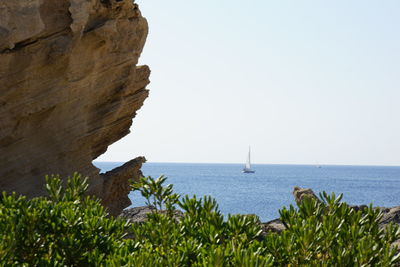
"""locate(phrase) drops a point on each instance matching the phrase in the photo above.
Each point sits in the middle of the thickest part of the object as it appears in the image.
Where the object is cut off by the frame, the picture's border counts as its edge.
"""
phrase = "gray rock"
(390, 215)
(274, 226)
(139, 214)
(357, 208)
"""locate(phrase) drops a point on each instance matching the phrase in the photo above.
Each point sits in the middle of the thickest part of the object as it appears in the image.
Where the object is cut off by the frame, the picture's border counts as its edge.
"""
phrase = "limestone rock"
(69, 87)
(116, 186)
(301, 193)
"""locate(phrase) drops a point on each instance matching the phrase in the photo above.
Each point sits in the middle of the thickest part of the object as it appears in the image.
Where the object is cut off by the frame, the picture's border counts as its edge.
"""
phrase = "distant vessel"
(247, 167)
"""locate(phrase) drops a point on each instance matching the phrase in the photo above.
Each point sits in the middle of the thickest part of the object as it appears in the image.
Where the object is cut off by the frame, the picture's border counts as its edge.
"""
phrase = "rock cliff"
(69, 87)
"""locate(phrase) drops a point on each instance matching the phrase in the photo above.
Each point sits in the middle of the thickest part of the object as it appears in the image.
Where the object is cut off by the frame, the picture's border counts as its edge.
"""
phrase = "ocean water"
(270, 188)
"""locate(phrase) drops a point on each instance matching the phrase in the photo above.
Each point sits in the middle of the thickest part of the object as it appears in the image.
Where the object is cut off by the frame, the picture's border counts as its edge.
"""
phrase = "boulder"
(301, 193)
(274, 226)
(390, 215)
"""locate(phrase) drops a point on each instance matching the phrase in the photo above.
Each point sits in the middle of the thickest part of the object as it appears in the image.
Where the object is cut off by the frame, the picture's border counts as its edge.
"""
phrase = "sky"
(300, 81)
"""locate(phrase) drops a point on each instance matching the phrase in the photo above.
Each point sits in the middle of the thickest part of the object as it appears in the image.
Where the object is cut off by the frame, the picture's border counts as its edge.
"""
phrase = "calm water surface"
(269, 189)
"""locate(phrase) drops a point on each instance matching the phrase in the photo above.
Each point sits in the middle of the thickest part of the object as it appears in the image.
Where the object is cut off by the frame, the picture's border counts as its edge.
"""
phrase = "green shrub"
(201, 237)
(330, 233)
(68, 228)
(319, 233)
(65, 228)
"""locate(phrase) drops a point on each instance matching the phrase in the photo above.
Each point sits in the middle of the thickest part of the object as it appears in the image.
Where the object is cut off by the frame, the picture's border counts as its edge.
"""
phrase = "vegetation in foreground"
(68, 228)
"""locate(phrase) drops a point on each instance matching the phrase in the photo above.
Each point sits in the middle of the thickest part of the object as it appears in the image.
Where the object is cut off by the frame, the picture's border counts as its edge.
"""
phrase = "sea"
(270, 188)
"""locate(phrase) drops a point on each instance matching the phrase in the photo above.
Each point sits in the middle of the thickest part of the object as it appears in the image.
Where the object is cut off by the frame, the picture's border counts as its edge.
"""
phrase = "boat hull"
(248, 171)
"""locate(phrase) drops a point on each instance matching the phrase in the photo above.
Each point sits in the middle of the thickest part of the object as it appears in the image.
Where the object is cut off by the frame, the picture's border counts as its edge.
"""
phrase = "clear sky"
(300, 81)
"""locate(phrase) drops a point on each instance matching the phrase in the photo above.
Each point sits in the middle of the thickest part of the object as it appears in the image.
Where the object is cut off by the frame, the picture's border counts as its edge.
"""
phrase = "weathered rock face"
(116, 185)
(69, 87)
(301, 193)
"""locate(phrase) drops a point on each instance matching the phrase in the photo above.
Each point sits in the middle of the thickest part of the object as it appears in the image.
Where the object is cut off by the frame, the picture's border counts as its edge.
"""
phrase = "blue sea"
(270, 187)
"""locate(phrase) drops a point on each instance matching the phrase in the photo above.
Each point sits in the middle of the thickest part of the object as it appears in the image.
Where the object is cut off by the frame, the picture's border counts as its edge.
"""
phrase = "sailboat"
(318, 165)
(247, 167)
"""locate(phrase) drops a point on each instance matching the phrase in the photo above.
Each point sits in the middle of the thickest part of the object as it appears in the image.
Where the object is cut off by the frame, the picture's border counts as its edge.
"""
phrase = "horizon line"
(232, 163)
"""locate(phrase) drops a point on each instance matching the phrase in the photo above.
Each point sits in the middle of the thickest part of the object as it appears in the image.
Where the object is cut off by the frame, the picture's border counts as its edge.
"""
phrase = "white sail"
(247, 167)
(248, 162)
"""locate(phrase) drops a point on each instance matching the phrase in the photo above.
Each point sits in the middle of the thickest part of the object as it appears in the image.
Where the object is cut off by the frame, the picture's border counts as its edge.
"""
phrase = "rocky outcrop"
(116, 186)
(137, 214)
(301, 193)
(69, 87)
(274, 226)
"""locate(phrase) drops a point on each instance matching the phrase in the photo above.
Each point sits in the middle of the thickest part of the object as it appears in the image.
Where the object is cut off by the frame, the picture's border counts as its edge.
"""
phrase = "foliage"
(319, 233)
(68, 228)
(156, 194)
(330, 233)
(202, 237)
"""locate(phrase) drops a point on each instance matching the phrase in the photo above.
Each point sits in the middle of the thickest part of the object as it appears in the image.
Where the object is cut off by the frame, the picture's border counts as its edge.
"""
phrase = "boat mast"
(248, 160)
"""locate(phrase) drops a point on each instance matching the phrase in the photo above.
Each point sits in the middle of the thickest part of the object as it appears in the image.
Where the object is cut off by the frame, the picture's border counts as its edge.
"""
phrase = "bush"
(202, 237)
(70, 229)
(65, 228)
(319, 233)
(330, 233)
